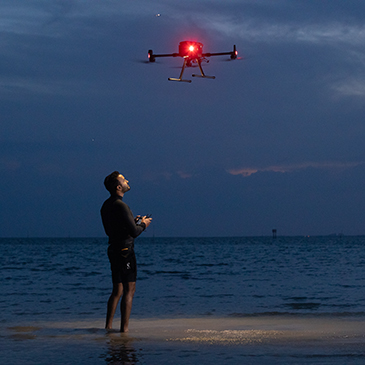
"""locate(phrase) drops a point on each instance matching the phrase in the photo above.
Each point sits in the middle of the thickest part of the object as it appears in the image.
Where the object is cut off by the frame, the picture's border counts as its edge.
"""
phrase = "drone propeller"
(230, 59)
(145, 61)
(141, 61)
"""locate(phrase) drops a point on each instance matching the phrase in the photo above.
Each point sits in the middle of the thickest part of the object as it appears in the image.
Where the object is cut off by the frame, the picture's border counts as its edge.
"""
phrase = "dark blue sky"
(275, 141)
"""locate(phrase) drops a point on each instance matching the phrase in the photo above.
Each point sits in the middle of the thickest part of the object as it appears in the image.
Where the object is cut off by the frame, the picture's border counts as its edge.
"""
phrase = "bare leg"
(126, 305)
(112, 304)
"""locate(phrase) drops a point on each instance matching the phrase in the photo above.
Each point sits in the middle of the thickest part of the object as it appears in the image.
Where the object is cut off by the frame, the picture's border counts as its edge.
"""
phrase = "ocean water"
(251, 300)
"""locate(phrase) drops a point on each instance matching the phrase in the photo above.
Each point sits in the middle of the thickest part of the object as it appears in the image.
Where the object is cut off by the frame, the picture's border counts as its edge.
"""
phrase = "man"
(122, 228)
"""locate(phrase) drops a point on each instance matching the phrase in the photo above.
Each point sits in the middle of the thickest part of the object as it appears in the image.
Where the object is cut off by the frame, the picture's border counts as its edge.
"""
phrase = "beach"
(253, 340)
(292, 300)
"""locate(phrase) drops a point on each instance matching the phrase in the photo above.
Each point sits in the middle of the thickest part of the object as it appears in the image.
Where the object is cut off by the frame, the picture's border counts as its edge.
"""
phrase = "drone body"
(191, 52)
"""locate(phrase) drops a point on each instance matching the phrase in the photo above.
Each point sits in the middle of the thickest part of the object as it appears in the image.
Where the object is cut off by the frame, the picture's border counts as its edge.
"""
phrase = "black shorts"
(124, 268)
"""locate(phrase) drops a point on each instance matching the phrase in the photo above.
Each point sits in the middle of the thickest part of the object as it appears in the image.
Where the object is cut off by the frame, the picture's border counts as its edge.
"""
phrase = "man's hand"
(146, 220)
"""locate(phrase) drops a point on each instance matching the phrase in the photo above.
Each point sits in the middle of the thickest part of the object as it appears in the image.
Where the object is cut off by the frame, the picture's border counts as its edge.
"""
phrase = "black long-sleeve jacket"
(119, 223)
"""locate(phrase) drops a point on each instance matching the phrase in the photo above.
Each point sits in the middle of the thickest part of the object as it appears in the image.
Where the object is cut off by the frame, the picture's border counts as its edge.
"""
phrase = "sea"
(223, 300)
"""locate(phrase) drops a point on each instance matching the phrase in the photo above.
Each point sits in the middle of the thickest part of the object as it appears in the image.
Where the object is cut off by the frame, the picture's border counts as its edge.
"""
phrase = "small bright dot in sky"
(158, 14)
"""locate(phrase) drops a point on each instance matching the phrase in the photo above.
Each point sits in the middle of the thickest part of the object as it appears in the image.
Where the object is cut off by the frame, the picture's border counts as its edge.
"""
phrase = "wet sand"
(154, 340)
(251, 330)
(205, 330)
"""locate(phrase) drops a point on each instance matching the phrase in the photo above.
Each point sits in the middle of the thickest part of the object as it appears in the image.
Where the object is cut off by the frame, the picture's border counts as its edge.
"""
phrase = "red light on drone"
(190, 49)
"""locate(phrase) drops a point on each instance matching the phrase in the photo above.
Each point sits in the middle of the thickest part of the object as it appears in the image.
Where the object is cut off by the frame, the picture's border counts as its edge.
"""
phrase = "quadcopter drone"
(191, 52)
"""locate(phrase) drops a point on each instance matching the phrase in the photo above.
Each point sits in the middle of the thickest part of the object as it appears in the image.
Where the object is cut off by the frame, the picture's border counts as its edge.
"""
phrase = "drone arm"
(152, 56)
(166, 55)
(215, 54)
(233, 53)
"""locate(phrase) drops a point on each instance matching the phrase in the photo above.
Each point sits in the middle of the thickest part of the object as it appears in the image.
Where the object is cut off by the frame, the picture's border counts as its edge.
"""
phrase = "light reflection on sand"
(254, 330)
(258, 339)
(223, 331)
(231, 337)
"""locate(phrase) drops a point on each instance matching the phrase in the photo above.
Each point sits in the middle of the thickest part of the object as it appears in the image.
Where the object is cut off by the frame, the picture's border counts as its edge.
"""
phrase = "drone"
(192, 52)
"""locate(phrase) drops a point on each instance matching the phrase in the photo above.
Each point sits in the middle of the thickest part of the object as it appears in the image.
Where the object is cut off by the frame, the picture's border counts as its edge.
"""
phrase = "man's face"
(123, 183)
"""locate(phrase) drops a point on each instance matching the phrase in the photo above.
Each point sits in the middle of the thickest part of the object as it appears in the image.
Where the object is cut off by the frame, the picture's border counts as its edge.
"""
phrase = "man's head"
(116, 183)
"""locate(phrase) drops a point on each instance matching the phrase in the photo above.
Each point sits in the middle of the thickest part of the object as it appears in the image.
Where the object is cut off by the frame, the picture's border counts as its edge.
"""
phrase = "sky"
(275, 141)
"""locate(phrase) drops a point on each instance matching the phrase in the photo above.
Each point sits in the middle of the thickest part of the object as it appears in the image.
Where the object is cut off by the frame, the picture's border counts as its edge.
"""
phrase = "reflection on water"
(120, 351)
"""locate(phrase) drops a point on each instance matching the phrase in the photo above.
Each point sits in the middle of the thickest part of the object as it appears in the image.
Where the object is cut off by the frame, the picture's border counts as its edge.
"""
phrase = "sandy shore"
(254, 340)
(223, 331)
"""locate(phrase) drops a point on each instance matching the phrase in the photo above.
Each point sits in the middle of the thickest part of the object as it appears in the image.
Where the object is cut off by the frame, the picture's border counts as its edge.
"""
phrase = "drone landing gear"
(202, 72)
(187, 61)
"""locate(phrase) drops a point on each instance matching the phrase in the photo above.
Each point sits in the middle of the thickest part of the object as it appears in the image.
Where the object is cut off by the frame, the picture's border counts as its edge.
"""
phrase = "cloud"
(9, 164)
(35, 17)
(246, 20)
(267, 22)
(255, 30)
(17, 86)
(290, 168)
(156, 176)
(350, 87)
(19, 18)
(184, 175)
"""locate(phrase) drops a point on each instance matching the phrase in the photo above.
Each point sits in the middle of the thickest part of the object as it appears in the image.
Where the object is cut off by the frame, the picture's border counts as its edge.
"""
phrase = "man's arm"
(133, 229)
